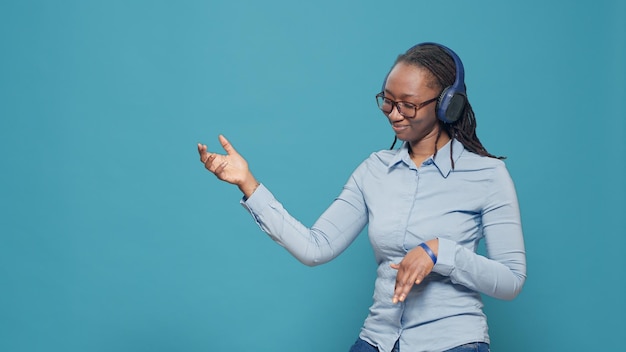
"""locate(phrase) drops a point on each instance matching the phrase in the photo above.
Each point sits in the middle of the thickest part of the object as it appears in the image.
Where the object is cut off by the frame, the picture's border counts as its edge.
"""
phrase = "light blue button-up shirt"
(403, 206)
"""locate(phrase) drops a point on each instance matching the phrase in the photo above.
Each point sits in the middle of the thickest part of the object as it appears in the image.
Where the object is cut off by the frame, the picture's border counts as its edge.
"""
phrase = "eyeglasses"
(405, 109)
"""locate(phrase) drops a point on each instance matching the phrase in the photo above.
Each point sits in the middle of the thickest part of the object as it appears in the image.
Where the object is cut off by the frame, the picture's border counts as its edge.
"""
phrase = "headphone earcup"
(450, 105)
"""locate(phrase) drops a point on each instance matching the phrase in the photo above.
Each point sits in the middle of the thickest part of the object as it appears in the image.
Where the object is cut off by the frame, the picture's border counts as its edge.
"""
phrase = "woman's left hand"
(415, 266)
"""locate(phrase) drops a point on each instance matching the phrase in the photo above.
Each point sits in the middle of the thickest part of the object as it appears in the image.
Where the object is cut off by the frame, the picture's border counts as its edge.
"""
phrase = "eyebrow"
(402, 96)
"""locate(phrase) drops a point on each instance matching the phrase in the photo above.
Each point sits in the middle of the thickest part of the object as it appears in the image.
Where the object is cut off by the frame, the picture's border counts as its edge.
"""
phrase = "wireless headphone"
(452, 100)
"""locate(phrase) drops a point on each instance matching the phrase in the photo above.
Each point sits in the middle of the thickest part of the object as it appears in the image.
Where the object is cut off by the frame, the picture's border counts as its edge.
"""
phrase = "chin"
(404, 137)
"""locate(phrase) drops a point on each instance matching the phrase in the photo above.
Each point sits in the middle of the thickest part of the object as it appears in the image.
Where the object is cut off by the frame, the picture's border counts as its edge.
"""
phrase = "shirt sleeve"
(331, 234)
(503, 272)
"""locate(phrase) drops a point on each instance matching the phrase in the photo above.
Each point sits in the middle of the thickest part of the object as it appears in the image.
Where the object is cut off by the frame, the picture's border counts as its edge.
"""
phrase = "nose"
(394, 115)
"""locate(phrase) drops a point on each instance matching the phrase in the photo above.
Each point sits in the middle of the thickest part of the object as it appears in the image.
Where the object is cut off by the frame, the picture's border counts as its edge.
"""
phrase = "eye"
(406, 106)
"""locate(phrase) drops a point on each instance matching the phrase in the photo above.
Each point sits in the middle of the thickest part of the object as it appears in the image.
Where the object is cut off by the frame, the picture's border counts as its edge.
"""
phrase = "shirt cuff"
(257, 201)
(445, 257)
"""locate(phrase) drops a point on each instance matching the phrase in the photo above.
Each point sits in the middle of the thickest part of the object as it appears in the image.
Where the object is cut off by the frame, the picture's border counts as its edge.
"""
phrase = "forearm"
(248, 185)
(502, 278)
(326, 239)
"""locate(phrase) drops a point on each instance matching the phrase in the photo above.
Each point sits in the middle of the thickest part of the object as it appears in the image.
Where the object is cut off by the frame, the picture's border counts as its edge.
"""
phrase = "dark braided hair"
(442, 69)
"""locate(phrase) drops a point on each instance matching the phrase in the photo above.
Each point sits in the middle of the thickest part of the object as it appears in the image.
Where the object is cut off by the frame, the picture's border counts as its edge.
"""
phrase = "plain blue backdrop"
(114, 238)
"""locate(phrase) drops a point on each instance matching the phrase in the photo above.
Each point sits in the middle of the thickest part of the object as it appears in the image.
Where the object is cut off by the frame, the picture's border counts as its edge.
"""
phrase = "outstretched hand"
(412, 270)
(231, 167)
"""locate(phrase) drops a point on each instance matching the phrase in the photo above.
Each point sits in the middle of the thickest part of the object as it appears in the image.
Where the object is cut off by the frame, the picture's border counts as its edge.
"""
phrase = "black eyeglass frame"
(380, 98)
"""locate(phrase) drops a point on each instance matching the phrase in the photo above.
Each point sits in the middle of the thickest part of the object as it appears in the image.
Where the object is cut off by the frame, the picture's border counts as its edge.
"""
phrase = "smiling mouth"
(399, 127)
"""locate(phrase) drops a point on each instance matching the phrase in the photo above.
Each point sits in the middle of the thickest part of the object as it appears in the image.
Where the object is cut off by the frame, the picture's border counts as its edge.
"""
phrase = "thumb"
(227, 146)
(394, 266)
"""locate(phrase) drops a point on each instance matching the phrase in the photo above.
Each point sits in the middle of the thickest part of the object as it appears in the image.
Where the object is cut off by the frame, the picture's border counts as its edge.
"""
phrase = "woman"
(428, 204)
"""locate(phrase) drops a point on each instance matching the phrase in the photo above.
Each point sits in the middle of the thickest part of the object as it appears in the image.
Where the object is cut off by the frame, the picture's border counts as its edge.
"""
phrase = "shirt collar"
(441, 160)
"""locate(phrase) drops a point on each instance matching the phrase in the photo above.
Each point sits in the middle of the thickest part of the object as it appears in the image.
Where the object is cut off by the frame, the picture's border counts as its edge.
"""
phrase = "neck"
(428, 145)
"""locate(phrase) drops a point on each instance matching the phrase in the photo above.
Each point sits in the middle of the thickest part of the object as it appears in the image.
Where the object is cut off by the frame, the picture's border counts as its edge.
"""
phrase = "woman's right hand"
(231, 168)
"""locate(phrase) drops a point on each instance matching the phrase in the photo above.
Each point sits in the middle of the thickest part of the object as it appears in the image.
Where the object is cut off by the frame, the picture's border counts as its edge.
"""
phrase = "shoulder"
(489, 175)
(481, 167)
(377, 162)
(470, 160)
(382, 158)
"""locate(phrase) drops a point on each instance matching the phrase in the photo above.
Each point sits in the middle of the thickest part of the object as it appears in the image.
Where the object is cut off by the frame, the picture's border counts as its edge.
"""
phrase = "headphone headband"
(459, 80)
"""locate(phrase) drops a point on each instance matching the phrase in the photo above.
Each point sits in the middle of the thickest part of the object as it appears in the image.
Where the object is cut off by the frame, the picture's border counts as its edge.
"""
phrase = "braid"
(464, 130)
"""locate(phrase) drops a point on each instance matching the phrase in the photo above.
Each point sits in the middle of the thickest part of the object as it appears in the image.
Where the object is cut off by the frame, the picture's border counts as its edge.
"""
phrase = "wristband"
(429, 252)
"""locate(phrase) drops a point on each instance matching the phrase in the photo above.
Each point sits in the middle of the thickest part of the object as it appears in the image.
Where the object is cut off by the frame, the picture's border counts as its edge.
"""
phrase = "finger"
(230, 150)
(399, 295)
(396, 291)
(401, 291)
(406, 278)
(418, 275)
(220, 168)
(208, 162)
(404, 283)
(207, 159)
(202, 151)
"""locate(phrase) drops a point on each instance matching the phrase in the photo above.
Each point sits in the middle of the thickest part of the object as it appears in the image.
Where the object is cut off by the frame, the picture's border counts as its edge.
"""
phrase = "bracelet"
(429, 252)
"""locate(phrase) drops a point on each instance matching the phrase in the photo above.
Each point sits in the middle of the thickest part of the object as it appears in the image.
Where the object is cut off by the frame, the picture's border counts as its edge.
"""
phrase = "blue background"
(114, 238)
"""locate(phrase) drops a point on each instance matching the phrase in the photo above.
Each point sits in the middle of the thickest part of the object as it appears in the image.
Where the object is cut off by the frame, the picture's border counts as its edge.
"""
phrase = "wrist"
(248, 186)
(429, 251)
(434, 245)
